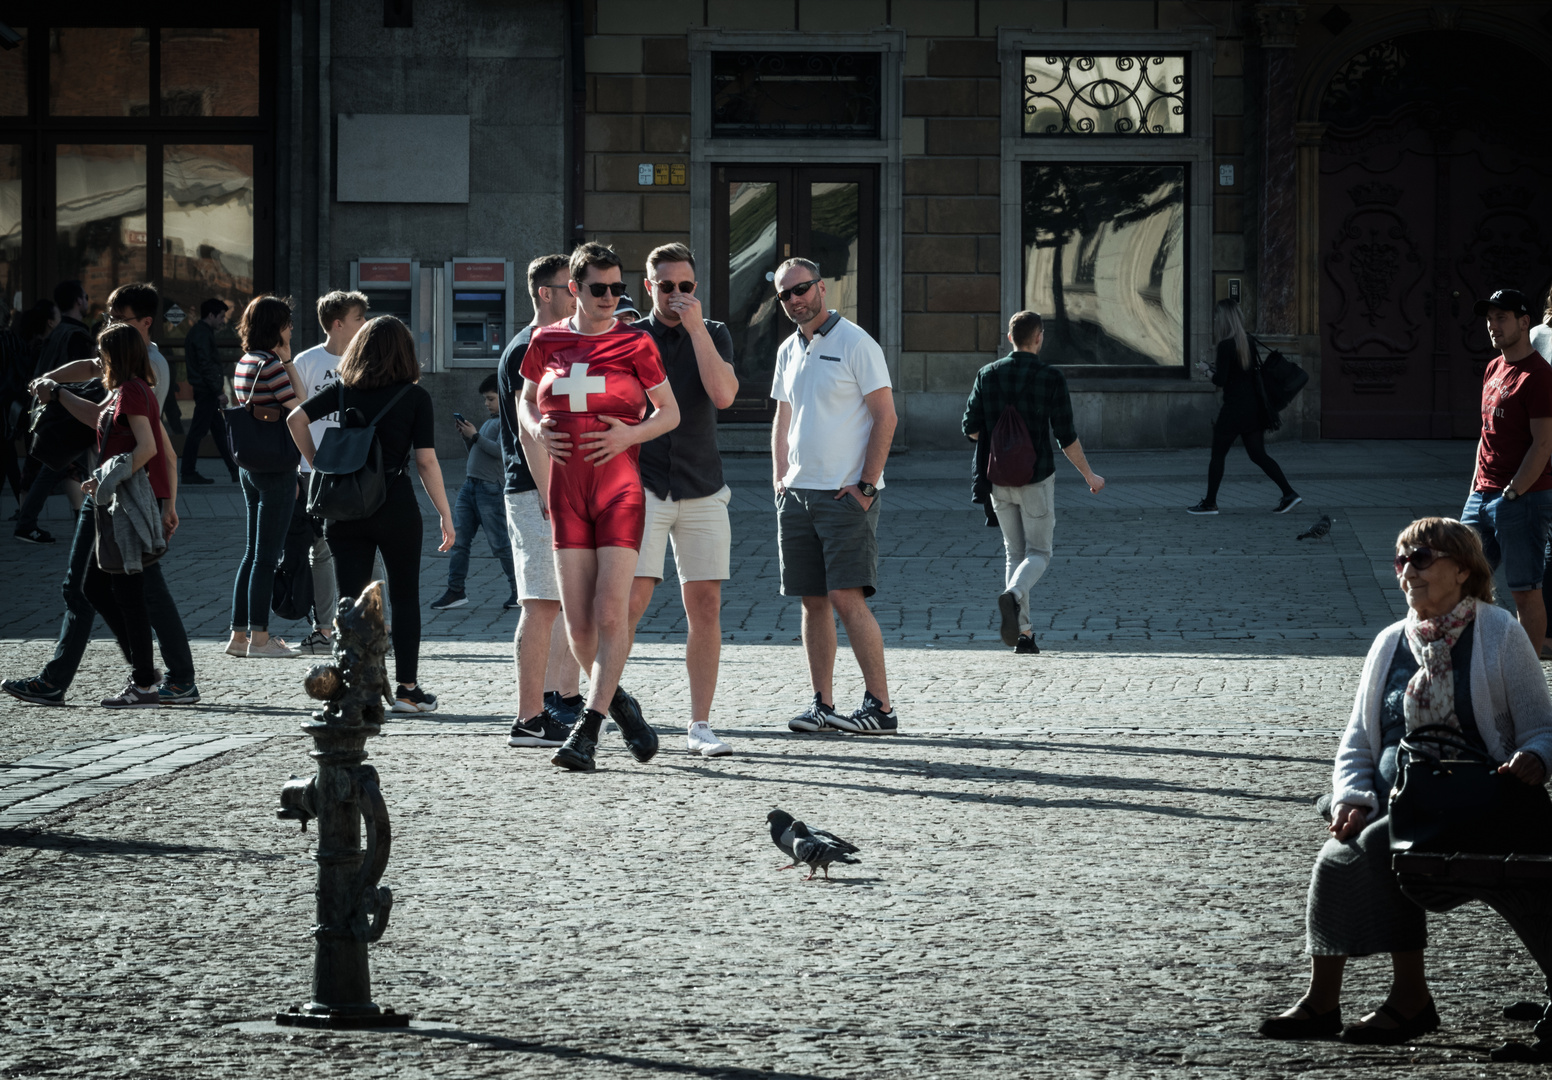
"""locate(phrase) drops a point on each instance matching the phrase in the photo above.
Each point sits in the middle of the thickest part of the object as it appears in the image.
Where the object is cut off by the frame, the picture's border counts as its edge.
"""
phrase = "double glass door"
(765, 214)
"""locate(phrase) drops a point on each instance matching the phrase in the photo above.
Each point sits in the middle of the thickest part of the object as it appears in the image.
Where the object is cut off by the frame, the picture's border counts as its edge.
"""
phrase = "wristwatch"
(867, 489)
(1509, 494)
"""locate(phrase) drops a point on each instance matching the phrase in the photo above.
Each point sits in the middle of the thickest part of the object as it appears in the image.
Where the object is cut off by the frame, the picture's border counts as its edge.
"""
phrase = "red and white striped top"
(261, 379)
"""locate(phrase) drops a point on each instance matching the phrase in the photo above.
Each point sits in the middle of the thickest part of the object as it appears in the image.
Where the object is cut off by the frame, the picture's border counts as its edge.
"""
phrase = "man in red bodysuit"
(587, 383)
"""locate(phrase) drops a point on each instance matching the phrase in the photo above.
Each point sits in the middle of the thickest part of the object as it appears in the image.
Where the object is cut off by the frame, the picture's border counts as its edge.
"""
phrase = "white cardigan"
(1508, 694)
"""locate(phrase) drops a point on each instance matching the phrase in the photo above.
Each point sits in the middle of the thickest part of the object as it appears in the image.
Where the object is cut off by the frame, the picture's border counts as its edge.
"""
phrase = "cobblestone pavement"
(1090, 863)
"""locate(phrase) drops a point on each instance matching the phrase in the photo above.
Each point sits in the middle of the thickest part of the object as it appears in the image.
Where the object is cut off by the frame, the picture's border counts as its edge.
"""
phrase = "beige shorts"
(533, 544)
(702, 534)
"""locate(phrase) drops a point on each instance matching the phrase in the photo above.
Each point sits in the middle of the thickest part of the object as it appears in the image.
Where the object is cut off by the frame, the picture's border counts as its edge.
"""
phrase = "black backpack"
(348, 481)
(1012, 461)
(293, 591)
(57, 437)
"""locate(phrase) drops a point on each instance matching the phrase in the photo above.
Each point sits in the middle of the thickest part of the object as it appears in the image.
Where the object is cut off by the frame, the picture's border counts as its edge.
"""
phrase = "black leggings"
(1255, 447)
(120, 600)
(394, 531)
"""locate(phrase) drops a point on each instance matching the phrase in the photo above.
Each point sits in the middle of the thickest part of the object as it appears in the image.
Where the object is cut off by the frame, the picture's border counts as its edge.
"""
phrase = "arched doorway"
(1435, 177)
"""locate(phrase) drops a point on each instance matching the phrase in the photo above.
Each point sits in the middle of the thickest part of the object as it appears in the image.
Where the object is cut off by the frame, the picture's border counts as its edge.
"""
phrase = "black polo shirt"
(685, 463)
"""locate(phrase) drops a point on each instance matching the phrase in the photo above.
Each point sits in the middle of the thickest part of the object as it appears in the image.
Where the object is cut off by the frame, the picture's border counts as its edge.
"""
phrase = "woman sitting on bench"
(1456, 659)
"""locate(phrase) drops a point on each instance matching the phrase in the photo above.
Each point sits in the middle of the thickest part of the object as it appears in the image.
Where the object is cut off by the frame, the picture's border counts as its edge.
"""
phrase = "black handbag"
(348, 482)
(1461, 803)
(259, 439)
(57, 437)
(1281, 379)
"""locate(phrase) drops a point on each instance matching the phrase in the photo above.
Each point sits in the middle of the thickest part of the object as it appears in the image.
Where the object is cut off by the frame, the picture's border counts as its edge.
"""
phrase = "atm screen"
(469, 331)
(479, 296)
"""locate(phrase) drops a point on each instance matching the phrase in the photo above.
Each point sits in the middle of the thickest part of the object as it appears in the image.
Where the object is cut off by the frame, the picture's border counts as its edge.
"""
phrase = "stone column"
(1277, 23)
(1309, 135)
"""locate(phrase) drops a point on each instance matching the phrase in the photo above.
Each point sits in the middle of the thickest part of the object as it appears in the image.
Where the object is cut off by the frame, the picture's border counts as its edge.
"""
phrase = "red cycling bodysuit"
(581, 377)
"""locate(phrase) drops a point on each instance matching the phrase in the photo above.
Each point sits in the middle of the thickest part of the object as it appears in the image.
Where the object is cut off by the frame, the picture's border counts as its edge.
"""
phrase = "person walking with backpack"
(1017, 403)
(378, 387)
(1244, 415)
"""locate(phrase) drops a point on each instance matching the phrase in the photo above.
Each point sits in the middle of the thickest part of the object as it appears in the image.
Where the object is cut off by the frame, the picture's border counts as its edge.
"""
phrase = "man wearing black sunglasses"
(835, 419)
(1510, 505)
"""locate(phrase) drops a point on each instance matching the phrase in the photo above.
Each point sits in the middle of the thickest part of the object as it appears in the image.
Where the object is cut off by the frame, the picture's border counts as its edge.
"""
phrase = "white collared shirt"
(825, 381)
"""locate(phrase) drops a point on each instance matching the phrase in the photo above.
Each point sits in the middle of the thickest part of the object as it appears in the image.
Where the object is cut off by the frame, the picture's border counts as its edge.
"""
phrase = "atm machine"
(479, 305)
(400, 287)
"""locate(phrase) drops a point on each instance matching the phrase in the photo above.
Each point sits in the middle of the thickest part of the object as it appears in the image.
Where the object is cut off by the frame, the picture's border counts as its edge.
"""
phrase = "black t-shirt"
(685, 463)
(509, 385)
(410, 424)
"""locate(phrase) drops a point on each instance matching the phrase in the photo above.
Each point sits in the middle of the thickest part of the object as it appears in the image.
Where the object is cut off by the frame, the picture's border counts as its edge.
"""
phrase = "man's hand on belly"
(556, 442)
(601, 446)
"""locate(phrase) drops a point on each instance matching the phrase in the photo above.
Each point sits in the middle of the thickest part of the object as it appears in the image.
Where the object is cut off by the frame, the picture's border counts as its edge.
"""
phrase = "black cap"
(1510, 300)
(626, 304)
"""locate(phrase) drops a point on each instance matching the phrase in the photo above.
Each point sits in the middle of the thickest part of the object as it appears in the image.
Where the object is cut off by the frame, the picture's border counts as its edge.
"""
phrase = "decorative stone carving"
(1278, 23)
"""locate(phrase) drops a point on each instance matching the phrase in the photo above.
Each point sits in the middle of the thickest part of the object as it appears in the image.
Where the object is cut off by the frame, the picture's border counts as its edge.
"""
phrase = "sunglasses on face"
(1420, 558)
(668, 286)
(800, 289)
(598, 288)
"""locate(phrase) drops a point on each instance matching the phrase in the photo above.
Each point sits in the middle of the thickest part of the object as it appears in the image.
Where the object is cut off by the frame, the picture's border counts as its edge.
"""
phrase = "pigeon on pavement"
(1318, 530)
(813, 847)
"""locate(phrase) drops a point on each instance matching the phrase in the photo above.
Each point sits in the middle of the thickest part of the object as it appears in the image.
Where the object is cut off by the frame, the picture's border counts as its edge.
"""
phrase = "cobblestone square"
(1090, 862)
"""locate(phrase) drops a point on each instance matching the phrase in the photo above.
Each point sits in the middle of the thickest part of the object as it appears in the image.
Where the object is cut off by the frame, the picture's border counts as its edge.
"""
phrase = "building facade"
(1354, 174)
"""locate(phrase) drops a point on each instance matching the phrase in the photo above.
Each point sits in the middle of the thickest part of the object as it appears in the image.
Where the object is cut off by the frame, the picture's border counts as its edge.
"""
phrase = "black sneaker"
(195, 478)
(512, 602)
(639, 737)
(576, 753)
(817, 717)
(1007, 607)
(1287, 503)
(1025, 646)
(563, 710)
(316, 643)
(1203, 507)
(34, 535)
(871, 719)
(542, 730)
(416, 700)
(450, 599)
(34, 691)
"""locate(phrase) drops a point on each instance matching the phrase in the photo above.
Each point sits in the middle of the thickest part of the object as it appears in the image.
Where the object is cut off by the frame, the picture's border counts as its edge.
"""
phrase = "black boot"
(576, 753)
(639, 737)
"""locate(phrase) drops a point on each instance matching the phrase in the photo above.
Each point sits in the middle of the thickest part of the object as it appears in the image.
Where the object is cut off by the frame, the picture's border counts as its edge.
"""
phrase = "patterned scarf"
(1430, 693)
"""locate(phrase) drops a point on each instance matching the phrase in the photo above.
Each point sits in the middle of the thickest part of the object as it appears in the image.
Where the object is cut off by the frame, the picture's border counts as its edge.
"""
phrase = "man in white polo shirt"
(835, 419)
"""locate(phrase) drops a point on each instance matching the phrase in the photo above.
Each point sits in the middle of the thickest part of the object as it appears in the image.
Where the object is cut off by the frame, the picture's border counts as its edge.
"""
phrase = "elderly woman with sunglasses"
(1456, 659)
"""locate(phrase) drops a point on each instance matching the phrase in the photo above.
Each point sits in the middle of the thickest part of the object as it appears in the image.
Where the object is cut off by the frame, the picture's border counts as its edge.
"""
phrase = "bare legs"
(1408, 987)
(544, 660)
(1532, 612)
(867, 642)
(595, 587)
(703, 645)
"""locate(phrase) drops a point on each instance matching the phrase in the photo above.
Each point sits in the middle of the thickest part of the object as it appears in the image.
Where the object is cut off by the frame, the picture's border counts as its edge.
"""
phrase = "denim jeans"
(37, 497)
(75, 630)
(1514, 533)
(271, 498)
(479, 503)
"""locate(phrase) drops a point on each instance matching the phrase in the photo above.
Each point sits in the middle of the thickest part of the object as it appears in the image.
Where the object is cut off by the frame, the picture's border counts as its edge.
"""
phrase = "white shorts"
(533, 544)
(703, 537)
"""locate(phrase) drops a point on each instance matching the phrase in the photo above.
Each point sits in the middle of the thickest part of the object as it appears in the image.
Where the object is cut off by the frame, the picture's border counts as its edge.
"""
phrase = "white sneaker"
(274, 648)
(703, 741)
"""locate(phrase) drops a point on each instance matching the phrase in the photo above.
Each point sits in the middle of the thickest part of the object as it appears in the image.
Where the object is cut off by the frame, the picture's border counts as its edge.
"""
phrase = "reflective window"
(210, 72)
(796, 94)
(13, 79)
(100, 217)
(1071, 94)
(1104, 261)
(833, 236)
(10, 226)
(207, 229)
(755, 317)
(96, 71)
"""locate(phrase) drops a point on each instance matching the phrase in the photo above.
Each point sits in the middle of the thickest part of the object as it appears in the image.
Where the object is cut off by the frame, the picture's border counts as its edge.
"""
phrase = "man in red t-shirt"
(1510, 505)
(587, 384)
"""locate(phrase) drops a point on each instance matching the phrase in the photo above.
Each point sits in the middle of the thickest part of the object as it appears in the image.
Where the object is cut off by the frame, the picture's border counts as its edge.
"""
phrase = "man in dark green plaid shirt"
(1036, 391)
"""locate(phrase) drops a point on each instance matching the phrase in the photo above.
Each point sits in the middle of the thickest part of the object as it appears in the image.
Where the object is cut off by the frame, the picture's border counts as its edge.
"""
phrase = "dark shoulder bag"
(348, 481)
(1012, 460)
(1281, 378)
(1461, 803)
(259, 438)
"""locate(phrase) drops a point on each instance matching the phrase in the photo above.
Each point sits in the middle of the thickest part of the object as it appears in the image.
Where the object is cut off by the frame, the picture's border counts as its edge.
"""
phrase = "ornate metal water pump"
(352, 908)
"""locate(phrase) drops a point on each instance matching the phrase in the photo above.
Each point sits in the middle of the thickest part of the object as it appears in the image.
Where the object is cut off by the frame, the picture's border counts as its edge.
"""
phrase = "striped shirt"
(261, 379)
(1037, 391)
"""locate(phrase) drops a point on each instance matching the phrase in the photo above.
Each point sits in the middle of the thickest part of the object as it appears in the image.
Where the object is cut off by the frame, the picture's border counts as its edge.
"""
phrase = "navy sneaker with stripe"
(871, 719)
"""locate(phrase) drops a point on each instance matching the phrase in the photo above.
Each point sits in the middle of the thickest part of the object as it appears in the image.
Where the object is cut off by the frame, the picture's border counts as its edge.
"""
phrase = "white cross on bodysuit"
(577, 384)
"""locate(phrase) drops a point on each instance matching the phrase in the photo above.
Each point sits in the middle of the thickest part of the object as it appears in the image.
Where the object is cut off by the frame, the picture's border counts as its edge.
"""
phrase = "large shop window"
(1104, 255)
(1096, 94)
(813, 95)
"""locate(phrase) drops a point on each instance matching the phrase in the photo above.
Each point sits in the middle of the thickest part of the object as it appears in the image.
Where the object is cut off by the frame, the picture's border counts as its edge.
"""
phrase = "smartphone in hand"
(458, 416)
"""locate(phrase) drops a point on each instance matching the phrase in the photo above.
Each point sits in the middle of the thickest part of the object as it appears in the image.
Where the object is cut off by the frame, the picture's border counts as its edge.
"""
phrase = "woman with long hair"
(1243, 415)
(379, 383)
(264, 376)
(128, 423)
